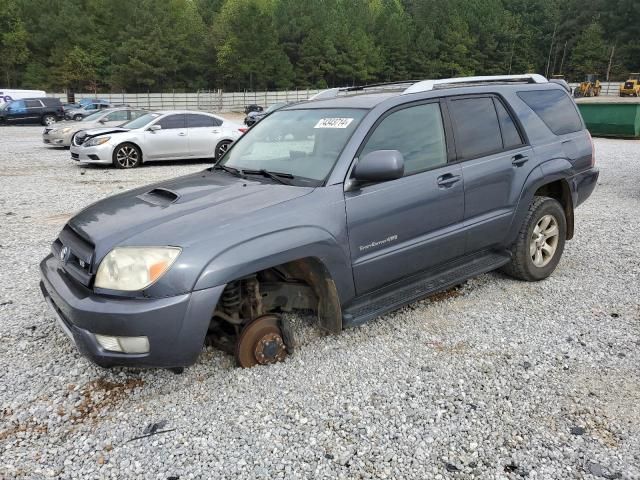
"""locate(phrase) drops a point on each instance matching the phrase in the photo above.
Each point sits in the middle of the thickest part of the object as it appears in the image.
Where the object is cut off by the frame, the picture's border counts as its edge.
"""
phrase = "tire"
(48, 119)
(535, 257)
(127, 155)
(77, 118)
(222, 148)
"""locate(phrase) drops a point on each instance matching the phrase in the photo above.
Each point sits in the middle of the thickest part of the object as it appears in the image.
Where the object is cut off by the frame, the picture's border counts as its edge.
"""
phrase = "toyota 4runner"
(350, 205)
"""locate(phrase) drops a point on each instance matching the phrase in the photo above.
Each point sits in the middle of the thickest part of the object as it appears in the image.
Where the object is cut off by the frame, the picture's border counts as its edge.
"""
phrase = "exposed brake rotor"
(261, 342)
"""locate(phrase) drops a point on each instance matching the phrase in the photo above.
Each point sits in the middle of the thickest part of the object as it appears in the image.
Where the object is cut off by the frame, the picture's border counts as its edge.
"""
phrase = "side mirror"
(102, 120)
(155, 128)
(379, 166)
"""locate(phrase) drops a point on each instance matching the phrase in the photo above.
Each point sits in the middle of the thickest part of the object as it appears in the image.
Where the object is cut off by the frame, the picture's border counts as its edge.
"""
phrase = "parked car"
(82, 103)
(43, 110)
(387, 198)
(252, 108)
(10, 94)
(165, 135)
(60, 135)
(78, 114)
(254, 117)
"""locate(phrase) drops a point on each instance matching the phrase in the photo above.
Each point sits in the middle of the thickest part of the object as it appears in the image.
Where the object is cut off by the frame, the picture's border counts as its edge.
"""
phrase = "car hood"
(93, 132)
(203, 198)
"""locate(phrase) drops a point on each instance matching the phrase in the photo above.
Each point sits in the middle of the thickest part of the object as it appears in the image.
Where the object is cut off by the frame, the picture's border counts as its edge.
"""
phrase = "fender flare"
(544, 174)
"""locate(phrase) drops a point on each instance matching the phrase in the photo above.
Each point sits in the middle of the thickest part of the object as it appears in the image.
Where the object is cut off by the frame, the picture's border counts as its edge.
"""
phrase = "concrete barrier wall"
(216, 101)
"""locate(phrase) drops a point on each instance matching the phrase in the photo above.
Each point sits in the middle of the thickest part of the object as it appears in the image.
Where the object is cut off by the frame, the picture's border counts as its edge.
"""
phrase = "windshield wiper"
(238, 172)
(275, 176)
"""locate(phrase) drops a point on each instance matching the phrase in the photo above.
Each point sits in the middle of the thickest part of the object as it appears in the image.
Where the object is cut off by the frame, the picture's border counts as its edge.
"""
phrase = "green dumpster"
(612, 119)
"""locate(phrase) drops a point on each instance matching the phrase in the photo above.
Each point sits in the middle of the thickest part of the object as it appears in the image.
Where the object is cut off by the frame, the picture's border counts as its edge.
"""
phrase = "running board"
(414, 288)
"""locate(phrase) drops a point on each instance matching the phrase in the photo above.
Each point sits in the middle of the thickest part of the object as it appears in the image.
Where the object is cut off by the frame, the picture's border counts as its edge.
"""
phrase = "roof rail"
(427, 85)
(334, 92)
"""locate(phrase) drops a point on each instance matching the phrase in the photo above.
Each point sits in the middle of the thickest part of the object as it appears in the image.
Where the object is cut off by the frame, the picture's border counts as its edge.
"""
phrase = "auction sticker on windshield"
(333, 123)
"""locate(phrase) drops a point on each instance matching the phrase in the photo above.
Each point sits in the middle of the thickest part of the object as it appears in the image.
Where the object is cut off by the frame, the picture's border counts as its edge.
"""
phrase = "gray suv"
(350, 205)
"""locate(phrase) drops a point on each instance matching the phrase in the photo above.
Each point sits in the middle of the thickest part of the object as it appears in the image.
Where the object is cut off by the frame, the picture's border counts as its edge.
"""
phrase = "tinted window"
(417, 132)
(476, 126)
(172, 121)
(33, 103)
(510, 135)
(196, 121)
(555, 108)
(119, 116)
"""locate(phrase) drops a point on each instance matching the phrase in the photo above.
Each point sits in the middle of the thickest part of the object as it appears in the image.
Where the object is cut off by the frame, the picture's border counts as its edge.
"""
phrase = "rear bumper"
(175, 326)
(583, 184)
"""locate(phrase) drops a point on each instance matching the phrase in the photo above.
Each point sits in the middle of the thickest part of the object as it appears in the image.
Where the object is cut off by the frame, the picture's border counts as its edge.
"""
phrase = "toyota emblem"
(64, 254)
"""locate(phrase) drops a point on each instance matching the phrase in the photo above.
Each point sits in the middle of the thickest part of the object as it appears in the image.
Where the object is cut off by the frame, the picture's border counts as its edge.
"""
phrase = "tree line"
(185, 45)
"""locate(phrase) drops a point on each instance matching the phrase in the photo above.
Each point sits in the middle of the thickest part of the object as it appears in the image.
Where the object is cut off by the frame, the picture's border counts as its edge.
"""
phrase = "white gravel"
(504, 379)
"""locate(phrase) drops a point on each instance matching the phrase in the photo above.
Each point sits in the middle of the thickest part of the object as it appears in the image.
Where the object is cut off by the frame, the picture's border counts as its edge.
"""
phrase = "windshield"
(94, 117)
(140, 121)
(302, 143)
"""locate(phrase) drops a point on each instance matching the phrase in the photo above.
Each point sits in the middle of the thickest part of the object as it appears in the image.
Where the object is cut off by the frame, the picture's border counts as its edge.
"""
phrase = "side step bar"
(407, 291)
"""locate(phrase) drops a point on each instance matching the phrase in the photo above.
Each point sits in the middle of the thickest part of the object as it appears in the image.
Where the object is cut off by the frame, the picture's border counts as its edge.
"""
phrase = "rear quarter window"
(555, 109)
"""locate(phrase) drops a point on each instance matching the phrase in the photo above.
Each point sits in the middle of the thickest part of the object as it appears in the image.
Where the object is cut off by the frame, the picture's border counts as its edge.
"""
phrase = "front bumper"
(98, 154)
(57, 139)
(175, 326)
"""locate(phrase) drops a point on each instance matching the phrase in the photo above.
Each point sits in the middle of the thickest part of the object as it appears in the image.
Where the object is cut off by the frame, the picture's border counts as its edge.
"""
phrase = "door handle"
(447, 180)
(519, 160)
(215, 131)
(182, 134)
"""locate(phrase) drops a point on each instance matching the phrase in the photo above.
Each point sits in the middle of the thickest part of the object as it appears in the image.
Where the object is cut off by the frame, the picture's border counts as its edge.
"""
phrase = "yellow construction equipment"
(589, 88)
(631, 88)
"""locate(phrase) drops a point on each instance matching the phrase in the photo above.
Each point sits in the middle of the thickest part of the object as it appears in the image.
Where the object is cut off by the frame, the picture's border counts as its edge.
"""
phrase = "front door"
(404, 226)
(171, 141)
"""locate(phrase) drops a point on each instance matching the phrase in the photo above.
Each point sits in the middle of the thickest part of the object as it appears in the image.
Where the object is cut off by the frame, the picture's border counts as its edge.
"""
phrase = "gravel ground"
(499, 379)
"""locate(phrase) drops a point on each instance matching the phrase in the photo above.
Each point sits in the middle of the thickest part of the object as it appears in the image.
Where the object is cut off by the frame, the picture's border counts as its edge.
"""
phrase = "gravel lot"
(499, 379)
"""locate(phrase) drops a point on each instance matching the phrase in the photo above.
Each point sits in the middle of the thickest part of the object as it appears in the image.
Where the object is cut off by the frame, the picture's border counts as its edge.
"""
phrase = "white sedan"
(164, 135)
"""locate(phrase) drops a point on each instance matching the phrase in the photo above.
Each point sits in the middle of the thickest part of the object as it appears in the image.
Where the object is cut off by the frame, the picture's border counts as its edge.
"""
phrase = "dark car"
(254, 117)
(252, 108)
(42, 110)
(351, 205)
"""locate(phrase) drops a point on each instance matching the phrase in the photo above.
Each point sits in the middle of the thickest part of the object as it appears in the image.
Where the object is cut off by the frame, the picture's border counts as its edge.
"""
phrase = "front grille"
(628, 85)
(78, 261)
(79, 138)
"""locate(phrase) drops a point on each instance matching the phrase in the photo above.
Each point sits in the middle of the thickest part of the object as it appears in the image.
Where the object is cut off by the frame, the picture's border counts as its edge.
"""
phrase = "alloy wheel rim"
(222, 149)
(49, 121)
(544, 241)
(127, 157)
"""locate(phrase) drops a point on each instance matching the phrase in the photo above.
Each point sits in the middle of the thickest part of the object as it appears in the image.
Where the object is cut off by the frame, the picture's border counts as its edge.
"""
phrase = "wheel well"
(560, 191)
(303, 284)
(129, 143)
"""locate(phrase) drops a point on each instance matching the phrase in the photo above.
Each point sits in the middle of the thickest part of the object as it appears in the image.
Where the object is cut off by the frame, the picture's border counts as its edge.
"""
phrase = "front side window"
(33, 103)
(417, 132)
(476, 127)
(304, 143)
(119, 116)
(171, 122)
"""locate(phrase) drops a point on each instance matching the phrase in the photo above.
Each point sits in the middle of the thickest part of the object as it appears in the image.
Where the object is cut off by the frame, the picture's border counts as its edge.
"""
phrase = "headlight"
(97, 141)
(134, 268)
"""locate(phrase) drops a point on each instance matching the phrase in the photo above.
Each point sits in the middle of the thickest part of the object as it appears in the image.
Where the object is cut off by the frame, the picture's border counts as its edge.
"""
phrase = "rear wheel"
(127, 155)
(540, 242)
(222, 148)
(77, 118)
(48, 119)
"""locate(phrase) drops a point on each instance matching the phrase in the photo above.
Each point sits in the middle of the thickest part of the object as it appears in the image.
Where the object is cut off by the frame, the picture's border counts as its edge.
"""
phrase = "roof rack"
(427, 85)
(416, 86)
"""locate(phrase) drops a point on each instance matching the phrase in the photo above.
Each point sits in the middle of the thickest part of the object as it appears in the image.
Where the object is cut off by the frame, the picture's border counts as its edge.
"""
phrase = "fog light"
(123, 344)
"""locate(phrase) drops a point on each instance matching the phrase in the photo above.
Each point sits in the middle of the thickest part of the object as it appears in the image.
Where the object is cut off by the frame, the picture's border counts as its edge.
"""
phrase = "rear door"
(204, 134)
(34, 110)
(400, 227)
(170, 141)
(495, 161)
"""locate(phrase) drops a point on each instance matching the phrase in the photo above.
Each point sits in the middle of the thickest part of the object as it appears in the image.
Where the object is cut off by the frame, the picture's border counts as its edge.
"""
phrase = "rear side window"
(555, 109)
(33, 103)
(197, 121)
(416, 132)
(510, 136)
(476, 127)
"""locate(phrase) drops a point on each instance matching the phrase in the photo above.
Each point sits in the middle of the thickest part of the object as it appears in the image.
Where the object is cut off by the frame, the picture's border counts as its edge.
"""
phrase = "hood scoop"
(159, 196)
